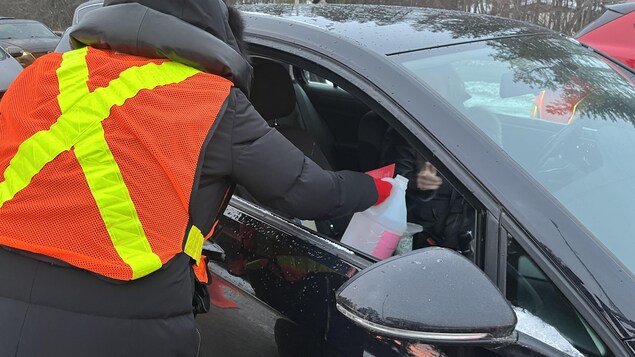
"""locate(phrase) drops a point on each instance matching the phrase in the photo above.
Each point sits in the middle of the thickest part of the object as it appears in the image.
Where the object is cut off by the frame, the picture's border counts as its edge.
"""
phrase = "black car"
(30, 35)
(612, 32)
(531, 129)
(9, 69)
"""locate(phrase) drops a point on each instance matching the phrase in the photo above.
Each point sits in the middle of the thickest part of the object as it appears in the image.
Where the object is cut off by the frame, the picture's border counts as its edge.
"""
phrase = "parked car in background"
(613, 33)
(80, 11)
(532, 131)
(31, 36)
(9, 69)
(23, 57)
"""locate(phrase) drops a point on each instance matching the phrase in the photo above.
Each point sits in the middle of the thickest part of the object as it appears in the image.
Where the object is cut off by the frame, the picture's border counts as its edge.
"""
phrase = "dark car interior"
(328, 117)
(332, 127)
(337, 131)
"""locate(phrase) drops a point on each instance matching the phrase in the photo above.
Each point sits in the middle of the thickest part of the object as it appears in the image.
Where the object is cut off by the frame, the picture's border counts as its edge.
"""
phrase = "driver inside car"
(446, 217)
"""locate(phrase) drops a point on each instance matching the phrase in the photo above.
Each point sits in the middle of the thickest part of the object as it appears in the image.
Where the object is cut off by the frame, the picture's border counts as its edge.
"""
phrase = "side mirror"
(431, 295)
(15, 51)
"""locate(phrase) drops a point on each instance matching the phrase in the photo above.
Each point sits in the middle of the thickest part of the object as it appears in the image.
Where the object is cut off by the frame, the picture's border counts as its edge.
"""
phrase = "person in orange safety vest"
(116, 159)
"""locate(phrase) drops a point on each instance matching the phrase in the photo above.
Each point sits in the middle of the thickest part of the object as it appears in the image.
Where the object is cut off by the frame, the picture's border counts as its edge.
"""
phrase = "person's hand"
(427, 178)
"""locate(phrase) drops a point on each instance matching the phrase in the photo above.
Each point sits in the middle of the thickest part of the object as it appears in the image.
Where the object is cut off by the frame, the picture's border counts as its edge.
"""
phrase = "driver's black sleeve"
(408, 162)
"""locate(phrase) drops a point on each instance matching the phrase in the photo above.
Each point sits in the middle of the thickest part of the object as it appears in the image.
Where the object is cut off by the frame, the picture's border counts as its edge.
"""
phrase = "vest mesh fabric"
(156, 139)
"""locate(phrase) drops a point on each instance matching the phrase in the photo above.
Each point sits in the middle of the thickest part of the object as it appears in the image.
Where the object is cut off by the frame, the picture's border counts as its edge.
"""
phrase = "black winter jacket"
(243, 148)
(49, 308)
(443, 213)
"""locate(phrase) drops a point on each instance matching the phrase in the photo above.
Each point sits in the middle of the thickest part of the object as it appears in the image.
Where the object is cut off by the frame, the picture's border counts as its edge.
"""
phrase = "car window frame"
(482, 221)
(490, 210)
(415, 134)
(546, 263)
(289, 50)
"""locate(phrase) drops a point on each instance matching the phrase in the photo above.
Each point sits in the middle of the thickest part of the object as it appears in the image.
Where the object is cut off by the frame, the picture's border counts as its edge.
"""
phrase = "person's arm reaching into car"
(278, 174)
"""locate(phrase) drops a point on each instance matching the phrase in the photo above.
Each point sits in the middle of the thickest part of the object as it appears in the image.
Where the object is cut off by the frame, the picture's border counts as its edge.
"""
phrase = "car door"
(548, 308)
(9, 70)
(274, 283)
(273, 293)
(275, 288)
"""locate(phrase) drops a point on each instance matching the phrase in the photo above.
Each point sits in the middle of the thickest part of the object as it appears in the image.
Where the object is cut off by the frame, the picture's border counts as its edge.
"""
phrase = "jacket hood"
(137, 29)
(209, 15)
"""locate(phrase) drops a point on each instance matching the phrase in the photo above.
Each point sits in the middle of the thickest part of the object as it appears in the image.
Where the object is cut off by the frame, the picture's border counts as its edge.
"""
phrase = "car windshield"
(3, 55)
(23, 30)
(563, 113)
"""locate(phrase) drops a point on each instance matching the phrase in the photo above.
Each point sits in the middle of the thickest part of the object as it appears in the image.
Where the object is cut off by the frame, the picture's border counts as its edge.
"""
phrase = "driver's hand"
(427, 178)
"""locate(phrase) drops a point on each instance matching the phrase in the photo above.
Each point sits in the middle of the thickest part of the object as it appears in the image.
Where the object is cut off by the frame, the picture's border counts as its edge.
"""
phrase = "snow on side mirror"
(431, 295)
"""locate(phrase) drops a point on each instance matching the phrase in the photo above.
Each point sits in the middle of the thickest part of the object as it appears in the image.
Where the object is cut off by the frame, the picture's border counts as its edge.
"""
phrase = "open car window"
(341, 132)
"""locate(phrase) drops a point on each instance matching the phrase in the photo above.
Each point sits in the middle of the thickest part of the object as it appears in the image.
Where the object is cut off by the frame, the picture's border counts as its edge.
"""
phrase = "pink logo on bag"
(386, 245)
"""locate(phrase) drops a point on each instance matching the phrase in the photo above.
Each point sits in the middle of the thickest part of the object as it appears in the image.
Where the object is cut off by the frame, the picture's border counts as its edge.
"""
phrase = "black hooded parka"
(49, 308)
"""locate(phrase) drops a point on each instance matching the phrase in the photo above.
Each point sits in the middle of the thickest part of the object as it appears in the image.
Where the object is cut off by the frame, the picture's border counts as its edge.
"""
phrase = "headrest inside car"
(272, 92)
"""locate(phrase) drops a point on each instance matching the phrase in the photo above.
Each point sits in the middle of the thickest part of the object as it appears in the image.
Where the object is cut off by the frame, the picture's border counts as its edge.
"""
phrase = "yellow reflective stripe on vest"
(72, 76)
(44, 146)
(80, 127)
(194, 244)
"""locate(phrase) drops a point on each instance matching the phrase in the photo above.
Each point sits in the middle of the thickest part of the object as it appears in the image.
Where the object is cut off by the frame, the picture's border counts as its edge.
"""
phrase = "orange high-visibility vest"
(98, 158)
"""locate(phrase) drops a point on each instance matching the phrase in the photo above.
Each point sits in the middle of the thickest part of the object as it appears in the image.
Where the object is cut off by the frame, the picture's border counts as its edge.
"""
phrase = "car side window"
(437, 213)
(543, 311)
(339, 131)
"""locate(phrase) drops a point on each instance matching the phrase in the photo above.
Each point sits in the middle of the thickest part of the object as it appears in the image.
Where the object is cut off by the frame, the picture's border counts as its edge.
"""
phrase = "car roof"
(376, 26)
(14, 20)
(84, 6)
(623, 8)
(613, 12)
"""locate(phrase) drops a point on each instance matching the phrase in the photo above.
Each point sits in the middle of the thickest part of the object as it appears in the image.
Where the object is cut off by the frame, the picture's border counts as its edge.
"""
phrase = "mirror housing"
(431, 295)
(14, 51)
